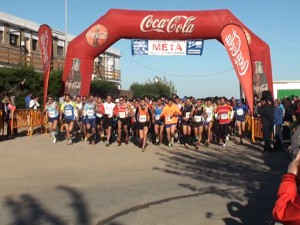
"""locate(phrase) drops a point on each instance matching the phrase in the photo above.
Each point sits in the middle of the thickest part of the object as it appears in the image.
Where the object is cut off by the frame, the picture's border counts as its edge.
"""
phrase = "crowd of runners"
(164, 121)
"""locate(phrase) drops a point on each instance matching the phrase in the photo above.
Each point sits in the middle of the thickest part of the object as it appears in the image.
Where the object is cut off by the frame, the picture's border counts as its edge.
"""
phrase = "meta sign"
(166, 47)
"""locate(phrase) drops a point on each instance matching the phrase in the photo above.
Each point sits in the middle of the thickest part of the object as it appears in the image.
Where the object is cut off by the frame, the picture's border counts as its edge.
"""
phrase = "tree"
(19, 82)
(158, 87)
(103, 88)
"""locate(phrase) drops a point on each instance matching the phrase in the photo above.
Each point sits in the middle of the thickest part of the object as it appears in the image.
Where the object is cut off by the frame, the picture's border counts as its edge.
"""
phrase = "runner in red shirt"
(224, 114)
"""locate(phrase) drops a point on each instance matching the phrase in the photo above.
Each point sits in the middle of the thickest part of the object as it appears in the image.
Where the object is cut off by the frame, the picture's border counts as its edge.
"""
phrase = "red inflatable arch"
(249, 54)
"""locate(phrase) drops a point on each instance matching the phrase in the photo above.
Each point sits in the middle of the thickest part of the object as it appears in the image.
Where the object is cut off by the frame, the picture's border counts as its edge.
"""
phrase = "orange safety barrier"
(28, 118)
(256, 129)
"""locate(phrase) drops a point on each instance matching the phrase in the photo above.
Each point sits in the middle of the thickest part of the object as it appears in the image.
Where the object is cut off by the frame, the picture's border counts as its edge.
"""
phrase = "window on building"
(13, 39)
(1, 36)
(34, 44)
(60, 51)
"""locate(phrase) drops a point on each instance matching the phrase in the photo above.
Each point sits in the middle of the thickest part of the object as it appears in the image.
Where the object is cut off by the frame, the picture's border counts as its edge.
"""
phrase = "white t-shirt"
(109, 109)
(33, 104)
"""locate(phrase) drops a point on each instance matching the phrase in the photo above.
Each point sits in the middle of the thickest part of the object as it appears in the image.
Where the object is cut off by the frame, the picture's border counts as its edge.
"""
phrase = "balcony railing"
(16, 56)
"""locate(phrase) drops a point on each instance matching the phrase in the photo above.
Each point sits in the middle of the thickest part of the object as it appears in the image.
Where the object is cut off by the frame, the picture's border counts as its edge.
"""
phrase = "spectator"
(287, 206)
(10, 108)
(278, 121)
(27, 100)
(34, 103)
(267, 117)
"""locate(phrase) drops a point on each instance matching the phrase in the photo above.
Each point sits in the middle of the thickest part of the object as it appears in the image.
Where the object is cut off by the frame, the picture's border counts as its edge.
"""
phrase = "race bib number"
(122, 115)
(240, 112)
(168, 118)
(224, 116)
(90, 112)
(209, 115)
(187, 115)
(99, 115)
(157, 117)
(51, 114)
(142, 118)
(197, 119)
(68, 112)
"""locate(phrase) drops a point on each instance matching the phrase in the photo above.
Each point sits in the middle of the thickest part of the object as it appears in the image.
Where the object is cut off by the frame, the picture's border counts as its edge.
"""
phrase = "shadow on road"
(242, 174)
(27, 210)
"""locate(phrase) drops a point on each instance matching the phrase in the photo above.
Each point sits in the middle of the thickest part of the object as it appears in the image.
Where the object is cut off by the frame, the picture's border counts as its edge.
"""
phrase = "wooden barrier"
(1, 123)
(28, 118)
(256, 129)
(38, 119)
(20, 118)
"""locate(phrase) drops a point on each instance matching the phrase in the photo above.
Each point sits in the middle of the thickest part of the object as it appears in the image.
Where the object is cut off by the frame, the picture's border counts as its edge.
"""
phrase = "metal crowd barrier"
(28, 118)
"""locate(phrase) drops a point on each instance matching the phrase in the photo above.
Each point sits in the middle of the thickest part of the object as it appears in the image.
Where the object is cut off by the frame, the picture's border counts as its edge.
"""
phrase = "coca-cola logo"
(176, 24)
(44, 49)
(235, 45)
(97, 35)
(72, 85)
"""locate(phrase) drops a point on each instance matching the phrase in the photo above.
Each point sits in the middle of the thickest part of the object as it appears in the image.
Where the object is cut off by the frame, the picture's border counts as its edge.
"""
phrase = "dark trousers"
(223, 128)
(267, 131)
(278, 137)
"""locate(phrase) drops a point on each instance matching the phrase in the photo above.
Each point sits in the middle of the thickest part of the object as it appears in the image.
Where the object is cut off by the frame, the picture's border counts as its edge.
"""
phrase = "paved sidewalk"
(45, 183)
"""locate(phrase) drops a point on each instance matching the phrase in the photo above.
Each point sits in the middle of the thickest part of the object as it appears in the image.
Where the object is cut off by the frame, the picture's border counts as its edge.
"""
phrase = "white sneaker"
(54, 140)
(172, 141)
(227, 138)
(157, 139)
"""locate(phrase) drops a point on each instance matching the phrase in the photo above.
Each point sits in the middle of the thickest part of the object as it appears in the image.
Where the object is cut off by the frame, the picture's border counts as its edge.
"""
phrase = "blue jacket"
(278, 116)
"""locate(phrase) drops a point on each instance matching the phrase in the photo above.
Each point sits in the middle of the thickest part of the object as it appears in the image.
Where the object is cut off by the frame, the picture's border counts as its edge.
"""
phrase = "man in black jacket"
(267, 116)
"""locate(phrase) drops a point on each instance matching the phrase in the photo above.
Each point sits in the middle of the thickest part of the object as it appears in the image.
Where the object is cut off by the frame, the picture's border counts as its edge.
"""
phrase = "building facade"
(19, 46)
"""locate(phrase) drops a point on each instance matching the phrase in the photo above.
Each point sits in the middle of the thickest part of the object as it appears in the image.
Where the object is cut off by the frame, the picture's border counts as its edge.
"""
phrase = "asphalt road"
(45, 183)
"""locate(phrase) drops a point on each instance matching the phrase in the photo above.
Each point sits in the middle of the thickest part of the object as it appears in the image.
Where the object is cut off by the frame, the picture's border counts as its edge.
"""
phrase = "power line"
(178, 75)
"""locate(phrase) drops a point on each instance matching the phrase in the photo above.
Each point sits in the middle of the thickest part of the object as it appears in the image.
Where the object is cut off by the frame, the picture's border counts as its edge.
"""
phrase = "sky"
(274, 21)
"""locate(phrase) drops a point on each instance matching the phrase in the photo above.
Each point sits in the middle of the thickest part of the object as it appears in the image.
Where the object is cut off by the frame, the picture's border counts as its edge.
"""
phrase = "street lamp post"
(66, 35)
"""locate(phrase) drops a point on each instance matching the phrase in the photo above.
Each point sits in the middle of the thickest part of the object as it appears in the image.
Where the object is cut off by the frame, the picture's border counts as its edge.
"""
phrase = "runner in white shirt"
(109, 108)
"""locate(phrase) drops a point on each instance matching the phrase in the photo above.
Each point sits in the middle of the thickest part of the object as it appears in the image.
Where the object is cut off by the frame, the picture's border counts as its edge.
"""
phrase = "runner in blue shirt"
(90, 118)
(240, 112)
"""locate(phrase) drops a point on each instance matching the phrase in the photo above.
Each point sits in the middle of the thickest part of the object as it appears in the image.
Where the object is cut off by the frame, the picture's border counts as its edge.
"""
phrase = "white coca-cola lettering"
(234, 43)
(177, 24)
(44, 49)
(73, 85)
(97, 35)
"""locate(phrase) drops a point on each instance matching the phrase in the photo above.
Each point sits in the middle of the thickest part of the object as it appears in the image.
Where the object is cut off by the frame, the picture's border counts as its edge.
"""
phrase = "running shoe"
(54, 140)
(70, 142)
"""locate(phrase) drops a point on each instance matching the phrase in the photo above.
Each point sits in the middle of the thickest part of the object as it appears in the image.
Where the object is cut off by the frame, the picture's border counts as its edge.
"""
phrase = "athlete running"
(170, 114)
(52, 110)
(90, 119)
(143, 117)
(67, 116)
(122, 112)
(240, 111)
(158, 124)
(109, 112)
(187, 115)
(224, 114)
(197, 123)
(208, 119)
